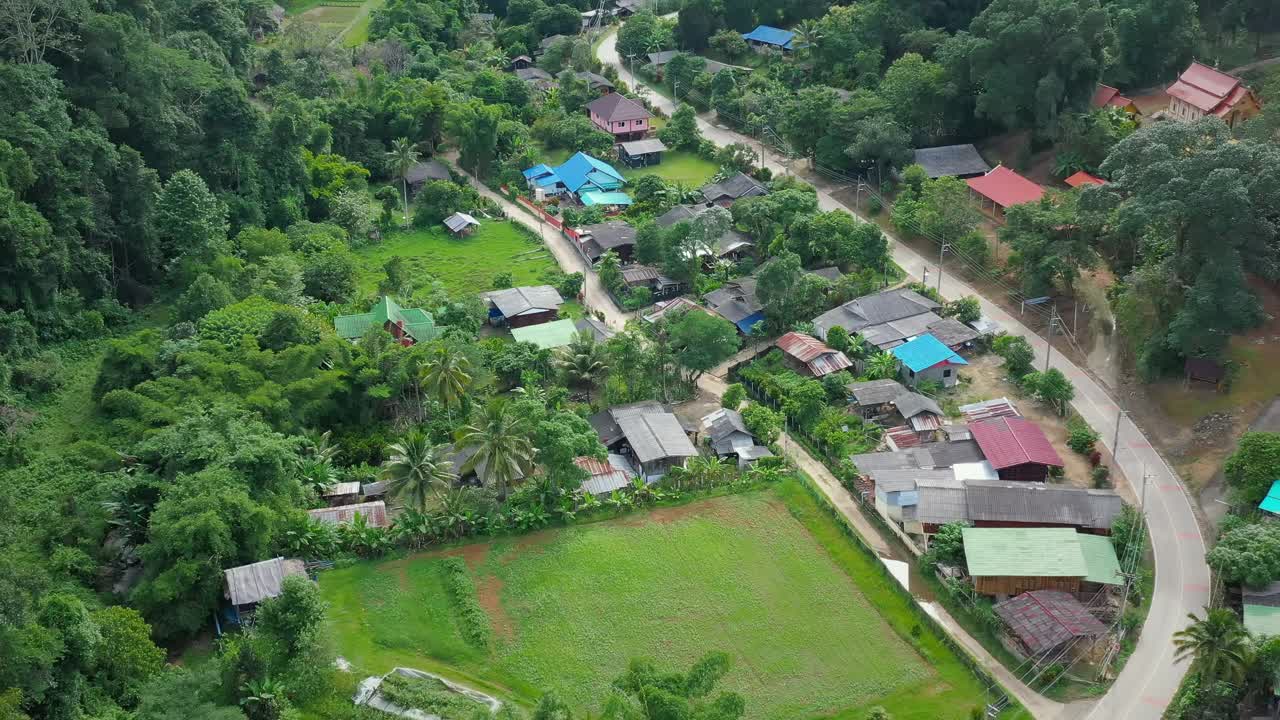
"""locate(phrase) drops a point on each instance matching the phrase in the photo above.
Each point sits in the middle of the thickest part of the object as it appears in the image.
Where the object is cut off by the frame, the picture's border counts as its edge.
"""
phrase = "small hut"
(461, 224)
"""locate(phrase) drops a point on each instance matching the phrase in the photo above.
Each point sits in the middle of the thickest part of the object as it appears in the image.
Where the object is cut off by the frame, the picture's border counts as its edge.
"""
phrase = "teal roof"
(418, 323)
(554, 334)
(1100, 557)
(770, 35)
(1024, 552)
(1262, 620)
(582, 169)
(924, 352)
(1271, 503)
(594, 197)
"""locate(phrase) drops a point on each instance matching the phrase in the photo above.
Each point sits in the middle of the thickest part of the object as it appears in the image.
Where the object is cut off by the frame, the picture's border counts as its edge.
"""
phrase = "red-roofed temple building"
(1202, 91)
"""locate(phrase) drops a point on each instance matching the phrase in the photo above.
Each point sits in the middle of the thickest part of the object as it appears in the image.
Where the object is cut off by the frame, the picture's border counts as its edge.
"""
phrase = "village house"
(892, 317)
(811, 356)
(1016, 447)
(523, 306)
(520, 62)
(595, 329)
(1044, 620)
(406, 325)
(927, 358)
(730, 190)
(961, 161)
(736, 302)
(1201, 91)
(457, 458)
(921, 413)
(597, 83)
(1001, 189)
(421, 173)
(1082, 178)
(616, 235)
(647, 434)
(645, 276)
(343, 493)
(641, 153)
(768, 38)
(1107, 96)
(248, 585)
(374, 513)
(604, 477)
(547, 336)
(871, 399)
(578, 175)
(728, 436)
(623, 118)
(673, 308)
(537, 77)
(732, 245)
(1011, 561)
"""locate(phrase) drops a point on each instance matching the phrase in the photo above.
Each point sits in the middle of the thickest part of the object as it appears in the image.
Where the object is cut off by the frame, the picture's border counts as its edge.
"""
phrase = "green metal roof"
(1023, 552)
(418, 323)
(1100, 557)
(557, 333)
(1262, 619)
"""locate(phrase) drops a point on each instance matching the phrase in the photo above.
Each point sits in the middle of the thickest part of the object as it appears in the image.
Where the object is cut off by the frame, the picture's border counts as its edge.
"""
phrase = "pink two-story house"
(621, 117)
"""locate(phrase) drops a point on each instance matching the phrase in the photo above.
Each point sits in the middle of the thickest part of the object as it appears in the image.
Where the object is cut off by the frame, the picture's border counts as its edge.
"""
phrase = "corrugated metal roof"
(1269, 595)
(676, 305)
(925, 352)
(770, 35)
(460, 220)
(820, 359)
(940, 502)
(1011, 441)
(1271, 503)
(592, 198)
(1005, 187)
(1262, 620)
(1045, 619)
(521, 300)
(1009, 501)
(1084, 178)
(1206, 88)
(910, 404)
(736, 187)
(1100, 559)
(258, 581)
(547, 336)
(1023, 552)
(902, 437)
(1106, 95)
(987, 409)
(643, 147)
(951, 161)
(342, 488)
(375, 513)
(903, 480)
(656, 437)
(605, 477)
(616, 107)
(875, 392)
(582, 168)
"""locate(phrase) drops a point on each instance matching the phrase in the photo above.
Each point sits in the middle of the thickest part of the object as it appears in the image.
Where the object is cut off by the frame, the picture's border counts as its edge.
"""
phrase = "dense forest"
(183, 184)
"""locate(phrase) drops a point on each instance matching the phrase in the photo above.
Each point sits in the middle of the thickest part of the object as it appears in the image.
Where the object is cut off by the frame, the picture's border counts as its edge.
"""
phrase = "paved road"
(1151, 676)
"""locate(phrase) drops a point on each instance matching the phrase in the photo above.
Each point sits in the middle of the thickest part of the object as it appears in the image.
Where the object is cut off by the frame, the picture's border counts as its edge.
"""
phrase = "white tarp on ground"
(900, 571)
(367, 694)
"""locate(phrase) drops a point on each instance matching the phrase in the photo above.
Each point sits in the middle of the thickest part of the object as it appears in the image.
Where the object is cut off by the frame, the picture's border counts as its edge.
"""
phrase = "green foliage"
(965, 309)
(292, 619)
(733, 396)
(1218, 645)
(1249, 555)
(946, 547)
(1050, 387)
(700, 341)
(330, 276)
(764, 423)
(1017, 354)
(1048, 247)
(1080, 437)
(681, 132)
(205, 295)
(190, 222)
(439, 199)
(474, 621)
(127, 658)
(1251, 469)
(787, 292)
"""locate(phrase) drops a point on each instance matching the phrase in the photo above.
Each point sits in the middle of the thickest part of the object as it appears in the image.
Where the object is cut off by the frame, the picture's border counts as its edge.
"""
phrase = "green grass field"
(813, 627)
(464, 265)
(677, 166)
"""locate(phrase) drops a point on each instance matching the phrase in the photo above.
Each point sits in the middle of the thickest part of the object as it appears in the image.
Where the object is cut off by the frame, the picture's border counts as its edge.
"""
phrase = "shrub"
(733, 396)
(762, 422)
(874, 206)
(1017, 354)
(1101, 477)
(39, 375)
(462, 594)
(1080, 437)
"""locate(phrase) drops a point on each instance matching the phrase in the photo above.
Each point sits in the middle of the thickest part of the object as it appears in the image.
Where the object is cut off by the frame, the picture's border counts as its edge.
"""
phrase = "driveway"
(1150, 677)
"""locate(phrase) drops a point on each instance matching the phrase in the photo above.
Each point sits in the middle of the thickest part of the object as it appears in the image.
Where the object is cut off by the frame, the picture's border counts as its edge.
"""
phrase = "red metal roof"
(1044, 619)
(1005, 187)
(902, 437)
(820, 359)
(1208, 89)
(1012, 441)
(594, 466)
(1106, 95)
(1084, 178)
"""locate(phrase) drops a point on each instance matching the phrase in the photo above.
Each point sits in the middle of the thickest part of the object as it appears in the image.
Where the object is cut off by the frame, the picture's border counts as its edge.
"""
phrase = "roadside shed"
(962, 161)
(1044, 619)
(1016, 447)
(1003, 188)
(461, 224)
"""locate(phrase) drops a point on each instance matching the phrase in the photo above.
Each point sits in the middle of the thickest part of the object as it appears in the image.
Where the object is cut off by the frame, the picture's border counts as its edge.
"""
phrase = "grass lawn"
(464, 265)
(677, 166)
(812, 625)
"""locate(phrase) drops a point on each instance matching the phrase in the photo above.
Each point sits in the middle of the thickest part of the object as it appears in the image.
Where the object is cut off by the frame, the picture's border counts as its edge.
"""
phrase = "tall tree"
(446, 376)
(1217, 644)
(582, 361)
(1048, 246)
(190, 221)
(402, 156)
(415, 470)
(503, 450)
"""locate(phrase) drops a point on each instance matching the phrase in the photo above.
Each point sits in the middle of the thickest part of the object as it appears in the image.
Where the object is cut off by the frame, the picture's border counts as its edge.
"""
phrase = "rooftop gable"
(1005, 187)
(925, 352)
(1012, 441)
(770, 35)
(578, 170)
(1023, 552)
(616, 107)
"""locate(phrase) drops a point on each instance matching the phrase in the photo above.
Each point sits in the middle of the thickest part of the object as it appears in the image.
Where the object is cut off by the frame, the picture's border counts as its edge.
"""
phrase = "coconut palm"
(446, 376)
(1218, 645)
(415, 470)
(582, 361)
(503, 450)
(400, 159)
(320, 445)
(882, 366)
(808, 35)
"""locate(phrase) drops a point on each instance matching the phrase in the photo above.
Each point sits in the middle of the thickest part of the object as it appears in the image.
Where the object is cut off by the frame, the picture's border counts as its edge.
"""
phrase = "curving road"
(1150, 677)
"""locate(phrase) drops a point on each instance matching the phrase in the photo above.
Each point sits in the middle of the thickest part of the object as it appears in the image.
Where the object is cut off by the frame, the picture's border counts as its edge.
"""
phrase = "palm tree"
(415, 470)
(446, 376)
(882, 366)
(1218, 645)
(403, 155)
(582, 361)
(321, 446)
(504, 452)
(808, 34)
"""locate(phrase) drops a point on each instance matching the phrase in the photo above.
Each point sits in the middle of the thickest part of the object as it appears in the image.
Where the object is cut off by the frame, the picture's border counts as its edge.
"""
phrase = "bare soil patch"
(489, 595)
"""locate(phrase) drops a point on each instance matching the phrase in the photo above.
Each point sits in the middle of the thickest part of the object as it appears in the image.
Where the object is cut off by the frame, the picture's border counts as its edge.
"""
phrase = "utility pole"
(925, 280)
(1115, 440)
(1048, 352)
(944, 247)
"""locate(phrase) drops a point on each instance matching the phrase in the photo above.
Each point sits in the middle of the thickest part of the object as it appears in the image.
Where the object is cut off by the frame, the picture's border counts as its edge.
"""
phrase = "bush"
(1017, 354)
(762, 422)
(462, 594)
(38, 376)
(1101, 477)
(874, 206)
(733, 396)
(1080, 437)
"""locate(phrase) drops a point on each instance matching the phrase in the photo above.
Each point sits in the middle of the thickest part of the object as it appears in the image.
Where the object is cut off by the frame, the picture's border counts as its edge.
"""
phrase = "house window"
(621, 125)
(911, 373)
(946, 373)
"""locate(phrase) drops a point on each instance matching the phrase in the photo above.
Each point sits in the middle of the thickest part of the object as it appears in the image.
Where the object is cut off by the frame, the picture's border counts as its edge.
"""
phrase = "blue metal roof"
(538, 171)
(594, 197)
(1271, 503)
(924, 352)
(770, 35)
(579, 169)
(746, 323)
